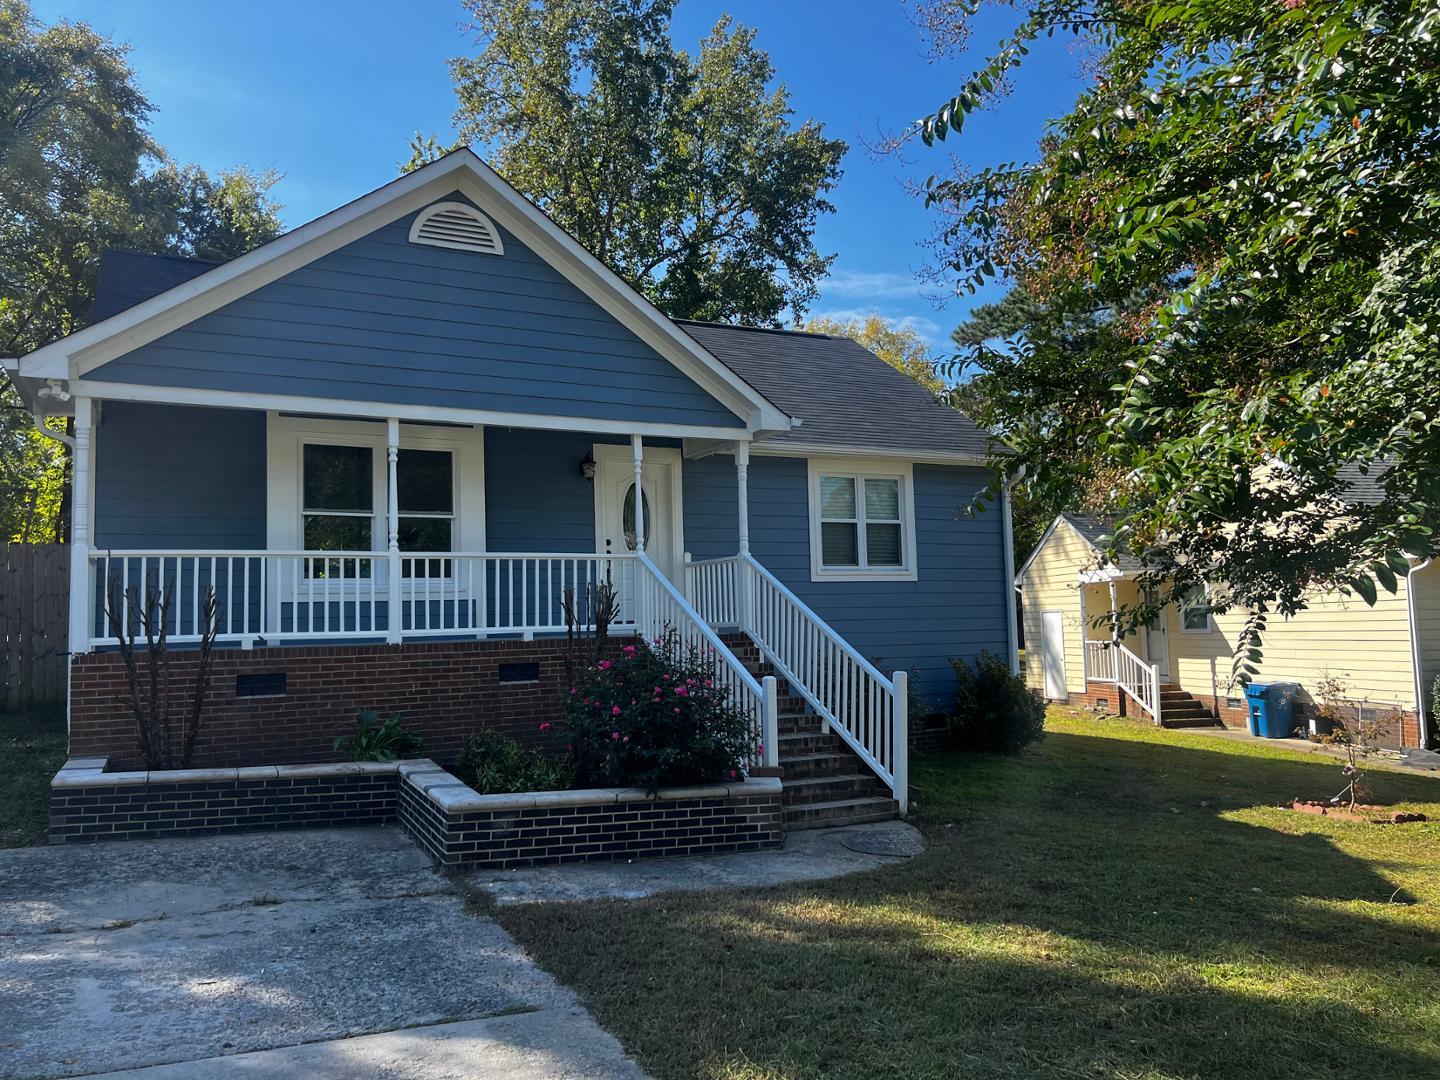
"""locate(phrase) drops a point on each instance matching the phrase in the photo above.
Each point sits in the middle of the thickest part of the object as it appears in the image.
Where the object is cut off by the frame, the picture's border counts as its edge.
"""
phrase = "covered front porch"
(270, 530)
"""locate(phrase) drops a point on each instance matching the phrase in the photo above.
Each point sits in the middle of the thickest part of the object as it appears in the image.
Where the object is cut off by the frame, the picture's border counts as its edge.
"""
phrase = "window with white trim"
(1195, 611)
(425, 492)
(338, 498)
(862, 522)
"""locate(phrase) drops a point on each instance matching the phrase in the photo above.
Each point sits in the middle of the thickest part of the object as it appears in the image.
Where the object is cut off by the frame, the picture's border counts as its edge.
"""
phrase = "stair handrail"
(878, 737)
(660, 605)
(1141, 680)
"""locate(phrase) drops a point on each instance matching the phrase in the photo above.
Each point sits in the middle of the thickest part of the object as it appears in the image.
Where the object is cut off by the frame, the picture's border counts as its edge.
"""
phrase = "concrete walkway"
(328, 953)
(185, 953)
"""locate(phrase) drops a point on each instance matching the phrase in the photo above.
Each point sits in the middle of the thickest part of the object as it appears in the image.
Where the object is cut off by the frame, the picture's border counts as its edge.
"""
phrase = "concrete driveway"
(332, 953)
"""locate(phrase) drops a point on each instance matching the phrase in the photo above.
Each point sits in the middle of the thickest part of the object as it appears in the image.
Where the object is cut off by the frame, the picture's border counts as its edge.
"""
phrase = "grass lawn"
(32, 749)
(1117, 902)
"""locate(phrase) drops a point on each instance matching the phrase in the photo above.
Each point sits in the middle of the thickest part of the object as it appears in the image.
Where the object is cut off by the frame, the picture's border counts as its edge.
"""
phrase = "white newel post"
(395, 621)
(742, 519)
(637, 451)
(900, 766)
(81, 587)
(770, 722)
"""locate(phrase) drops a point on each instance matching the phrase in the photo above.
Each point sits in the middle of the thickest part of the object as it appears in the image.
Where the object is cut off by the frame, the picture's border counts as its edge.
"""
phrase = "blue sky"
(328, 93)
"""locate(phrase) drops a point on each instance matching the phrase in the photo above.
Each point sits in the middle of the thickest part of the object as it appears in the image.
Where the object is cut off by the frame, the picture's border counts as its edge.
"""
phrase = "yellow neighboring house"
(1178, 671)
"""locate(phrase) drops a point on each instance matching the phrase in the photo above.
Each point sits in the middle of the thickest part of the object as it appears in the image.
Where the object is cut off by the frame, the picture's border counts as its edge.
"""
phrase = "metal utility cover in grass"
(902, 845)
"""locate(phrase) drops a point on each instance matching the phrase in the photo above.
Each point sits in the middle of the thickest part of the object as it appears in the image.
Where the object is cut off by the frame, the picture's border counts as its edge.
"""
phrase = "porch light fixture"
(587, 466)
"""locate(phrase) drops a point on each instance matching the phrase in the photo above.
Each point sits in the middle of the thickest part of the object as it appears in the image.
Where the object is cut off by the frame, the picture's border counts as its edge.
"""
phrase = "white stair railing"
(1099, 661)
(659, 606)
(1138, 679)
(867, 709)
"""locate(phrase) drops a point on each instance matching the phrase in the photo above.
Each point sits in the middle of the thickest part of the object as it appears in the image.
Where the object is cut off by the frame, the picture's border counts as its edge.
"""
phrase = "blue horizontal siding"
(171, 476)
(385, 320)
(956, 608)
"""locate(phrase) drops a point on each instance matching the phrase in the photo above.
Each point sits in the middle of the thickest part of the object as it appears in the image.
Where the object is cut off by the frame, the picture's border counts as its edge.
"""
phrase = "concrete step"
(852, 785)
(805, 766)
(1203, 720)
(822, 815)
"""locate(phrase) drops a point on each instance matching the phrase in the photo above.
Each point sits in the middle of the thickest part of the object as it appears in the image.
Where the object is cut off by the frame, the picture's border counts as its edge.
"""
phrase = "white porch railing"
(1099, 661)
(1138, 679)
(867, 709)
(283, 595)
(659, 605)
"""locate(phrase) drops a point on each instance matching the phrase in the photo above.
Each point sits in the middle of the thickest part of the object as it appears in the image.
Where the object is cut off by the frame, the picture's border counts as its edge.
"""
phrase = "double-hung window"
(425, 488)
(862, 522)
(338, 503)
(1195, 612)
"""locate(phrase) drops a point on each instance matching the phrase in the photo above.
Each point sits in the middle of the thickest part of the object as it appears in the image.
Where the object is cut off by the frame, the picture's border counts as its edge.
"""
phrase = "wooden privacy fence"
(34, 593)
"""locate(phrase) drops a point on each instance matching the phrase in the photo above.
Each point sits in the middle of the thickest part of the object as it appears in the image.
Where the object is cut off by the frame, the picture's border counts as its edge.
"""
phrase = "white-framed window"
(1195, 612)
(327, 489)
(862, 520)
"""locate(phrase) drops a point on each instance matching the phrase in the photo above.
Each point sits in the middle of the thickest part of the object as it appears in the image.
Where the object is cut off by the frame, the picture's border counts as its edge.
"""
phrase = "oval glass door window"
(627, 516)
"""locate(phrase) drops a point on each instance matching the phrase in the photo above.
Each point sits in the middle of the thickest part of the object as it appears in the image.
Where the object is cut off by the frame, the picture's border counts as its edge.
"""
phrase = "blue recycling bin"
(1271, 709)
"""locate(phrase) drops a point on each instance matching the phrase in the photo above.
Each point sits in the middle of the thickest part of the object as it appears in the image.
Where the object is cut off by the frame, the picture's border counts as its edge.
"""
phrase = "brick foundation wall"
(457, 827)
(446, 691)
(88, 804)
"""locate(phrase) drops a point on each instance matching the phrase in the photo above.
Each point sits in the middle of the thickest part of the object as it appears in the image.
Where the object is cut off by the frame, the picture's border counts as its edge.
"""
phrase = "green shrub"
(652, 718)
(995, 712)
(377, 741)
(495, 764)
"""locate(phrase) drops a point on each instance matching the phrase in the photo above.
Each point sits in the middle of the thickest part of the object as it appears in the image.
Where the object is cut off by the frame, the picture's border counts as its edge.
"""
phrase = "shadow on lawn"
(1088, 909)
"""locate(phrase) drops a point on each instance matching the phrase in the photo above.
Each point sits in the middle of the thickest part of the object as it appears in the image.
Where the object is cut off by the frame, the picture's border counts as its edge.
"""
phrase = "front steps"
(1179, 710)
(826, 784)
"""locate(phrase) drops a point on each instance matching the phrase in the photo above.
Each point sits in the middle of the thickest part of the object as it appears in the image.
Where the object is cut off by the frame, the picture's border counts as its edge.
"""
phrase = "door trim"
(610, 455)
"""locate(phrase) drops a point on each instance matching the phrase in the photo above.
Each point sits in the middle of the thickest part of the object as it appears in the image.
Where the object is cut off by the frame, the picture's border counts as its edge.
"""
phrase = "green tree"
(684, 174)
(1230, 245)
(79, 173)
(902, 347)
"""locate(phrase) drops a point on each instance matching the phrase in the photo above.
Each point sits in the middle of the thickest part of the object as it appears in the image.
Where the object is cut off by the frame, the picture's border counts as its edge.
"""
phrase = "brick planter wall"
(89, 804)
(458, 827)
(446, 691)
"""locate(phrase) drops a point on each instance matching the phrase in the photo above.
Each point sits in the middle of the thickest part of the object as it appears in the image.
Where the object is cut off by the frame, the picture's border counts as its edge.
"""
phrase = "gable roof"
(128, 278)
(1092, 528)
(116, 334)
(845, 397)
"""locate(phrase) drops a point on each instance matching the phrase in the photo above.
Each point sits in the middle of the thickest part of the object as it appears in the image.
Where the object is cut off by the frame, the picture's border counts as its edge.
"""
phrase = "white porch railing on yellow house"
(1113, 662)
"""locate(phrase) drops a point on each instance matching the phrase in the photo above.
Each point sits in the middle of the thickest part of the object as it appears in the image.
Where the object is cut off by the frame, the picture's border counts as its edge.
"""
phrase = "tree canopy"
(80, 173)
(684, 174)
(1227, 279)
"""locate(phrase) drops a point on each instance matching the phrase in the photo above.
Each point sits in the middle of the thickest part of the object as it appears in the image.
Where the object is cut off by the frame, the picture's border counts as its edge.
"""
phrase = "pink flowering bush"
(653, 717)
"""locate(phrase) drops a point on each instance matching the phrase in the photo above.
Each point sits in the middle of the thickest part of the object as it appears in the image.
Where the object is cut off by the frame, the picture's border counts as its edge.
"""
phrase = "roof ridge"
(758, 329)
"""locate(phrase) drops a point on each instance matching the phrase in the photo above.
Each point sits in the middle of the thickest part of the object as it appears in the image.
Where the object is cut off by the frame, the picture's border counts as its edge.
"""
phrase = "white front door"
(1157, 644)
(1052, 654)
(615, 505)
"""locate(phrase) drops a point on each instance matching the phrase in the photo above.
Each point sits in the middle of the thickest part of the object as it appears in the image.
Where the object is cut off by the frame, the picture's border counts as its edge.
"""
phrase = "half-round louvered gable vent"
(456, 225)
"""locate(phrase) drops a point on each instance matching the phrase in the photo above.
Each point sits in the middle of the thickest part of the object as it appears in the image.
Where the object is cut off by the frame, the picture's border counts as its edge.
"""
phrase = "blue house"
(389, 442)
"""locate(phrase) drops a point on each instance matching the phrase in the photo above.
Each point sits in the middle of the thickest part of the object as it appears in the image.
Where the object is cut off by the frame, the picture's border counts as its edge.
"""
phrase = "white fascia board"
(1035, 554)
(1104, 574)
(379, 410)
(81, 352)
(592, 277)
(919, 457)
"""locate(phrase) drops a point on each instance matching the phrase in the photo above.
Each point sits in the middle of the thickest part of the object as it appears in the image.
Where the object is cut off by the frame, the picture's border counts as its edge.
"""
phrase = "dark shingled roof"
(1095, 528)
(845, 395)
(128, 278)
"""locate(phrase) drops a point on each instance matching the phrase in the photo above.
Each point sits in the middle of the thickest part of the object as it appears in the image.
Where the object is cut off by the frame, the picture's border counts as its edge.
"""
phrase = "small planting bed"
(1375, 815)
(459, 827)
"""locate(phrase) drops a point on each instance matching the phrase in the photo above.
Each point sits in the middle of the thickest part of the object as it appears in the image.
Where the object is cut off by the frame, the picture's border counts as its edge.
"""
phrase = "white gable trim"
(1045, 539)
(87, 349)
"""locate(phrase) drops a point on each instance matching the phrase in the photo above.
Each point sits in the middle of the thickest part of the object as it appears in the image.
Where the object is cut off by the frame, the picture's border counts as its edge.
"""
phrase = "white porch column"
(637, 451)
(394, 622)
(742, 521)
(742, 482)
(81, 586)
(1114, 618)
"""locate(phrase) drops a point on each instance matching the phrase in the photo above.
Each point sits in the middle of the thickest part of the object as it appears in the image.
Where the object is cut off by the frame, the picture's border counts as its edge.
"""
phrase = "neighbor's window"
(1195, 612)
(862, 523)
(338, 503)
